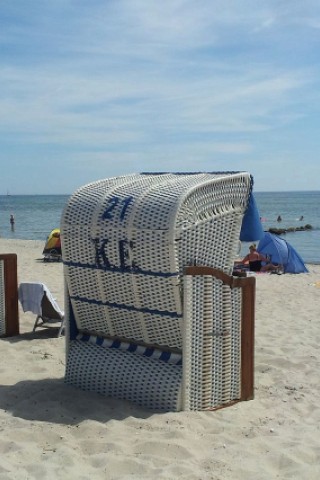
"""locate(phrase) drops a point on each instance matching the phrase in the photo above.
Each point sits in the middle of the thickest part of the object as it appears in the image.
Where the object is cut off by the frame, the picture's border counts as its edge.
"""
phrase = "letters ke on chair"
(35, 297)
(142, 327)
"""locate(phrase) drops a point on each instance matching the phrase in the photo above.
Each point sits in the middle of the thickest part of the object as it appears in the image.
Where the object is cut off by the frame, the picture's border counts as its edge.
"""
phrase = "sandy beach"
(49, 429)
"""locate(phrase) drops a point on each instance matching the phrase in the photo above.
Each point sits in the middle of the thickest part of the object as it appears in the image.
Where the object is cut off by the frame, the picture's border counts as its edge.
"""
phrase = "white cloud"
(173, 79)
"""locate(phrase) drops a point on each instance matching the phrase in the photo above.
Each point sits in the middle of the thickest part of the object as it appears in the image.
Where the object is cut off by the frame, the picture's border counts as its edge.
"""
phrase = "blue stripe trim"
(148, 352)
(73, 329)
(130, 308)
(132, 347)
(130, 270)
(99, 341)
(228, 172)
(167, 357)
(164, 356)
(85, 337)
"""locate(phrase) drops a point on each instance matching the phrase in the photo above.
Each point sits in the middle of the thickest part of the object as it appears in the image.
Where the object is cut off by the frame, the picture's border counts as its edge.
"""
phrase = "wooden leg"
(247, 339)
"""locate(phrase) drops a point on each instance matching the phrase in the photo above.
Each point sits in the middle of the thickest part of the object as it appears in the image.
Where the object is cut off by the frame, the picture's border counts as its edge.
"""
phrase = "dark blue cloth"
(251, 228)
(282, 252)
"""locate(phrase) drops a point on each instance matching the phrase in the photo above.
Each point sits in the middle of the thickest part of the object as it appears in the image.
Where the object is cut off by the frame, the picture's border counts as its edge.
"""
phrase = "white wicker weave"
(212, 343)
(125, 244)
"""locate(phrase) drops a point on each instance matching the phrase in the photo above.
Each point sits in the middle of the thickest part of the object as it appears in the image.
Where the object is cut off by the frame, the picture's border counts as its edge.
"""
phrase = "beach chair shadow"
(37, 298)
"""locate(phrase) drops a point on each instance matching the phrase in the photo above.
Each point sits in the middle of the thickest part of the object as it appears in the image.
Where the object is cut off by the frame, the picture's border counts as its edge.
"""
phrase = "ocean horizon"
(37, 215)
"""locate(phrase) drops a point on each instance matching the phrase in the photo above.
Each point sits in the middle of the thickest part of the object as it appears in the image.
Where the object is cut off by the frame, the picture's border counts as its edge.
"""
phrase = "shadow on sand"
(51, 400)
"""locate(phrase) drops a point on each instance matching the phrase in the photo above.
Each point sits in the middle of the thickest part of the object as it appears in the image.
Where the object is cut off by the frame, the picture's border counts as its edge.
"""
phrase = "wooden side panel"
(247, 339)
(247, 285)
(11, 294)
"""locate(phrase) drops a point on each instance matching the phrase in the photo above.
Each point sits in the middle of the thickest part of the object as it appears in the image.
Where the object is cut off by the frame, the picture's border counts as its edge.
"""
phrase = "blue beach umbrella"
(281, 252)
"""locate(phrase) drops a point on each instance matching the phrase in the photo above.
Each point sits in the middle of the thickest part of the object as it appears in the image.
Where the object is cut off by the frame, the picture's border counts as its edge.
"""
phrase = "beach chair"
(52, 248)
(153, 314)
(9, 314)
(35, 297)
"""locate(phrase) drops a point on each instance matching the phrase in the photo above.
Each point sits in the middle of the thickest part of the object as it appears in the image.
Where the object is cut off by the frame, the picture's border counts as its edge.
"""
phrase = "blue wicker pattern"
(164, 356)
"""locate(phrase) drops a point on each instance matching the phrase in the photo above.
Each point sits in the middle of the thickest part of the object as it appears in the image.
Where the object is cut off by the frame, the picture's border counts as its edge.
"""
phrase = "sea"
(37, 215)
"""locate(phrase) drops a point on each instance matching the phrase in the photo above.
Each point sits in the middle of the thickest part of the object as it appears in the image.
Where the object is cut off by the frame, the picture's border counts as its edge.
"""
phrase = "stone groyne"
(281, 231)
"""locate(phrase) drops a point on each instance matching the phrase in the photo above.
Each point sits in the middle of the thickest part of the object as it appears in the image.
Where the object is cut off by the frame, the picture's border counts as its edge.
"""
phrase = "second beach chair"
(36, 297)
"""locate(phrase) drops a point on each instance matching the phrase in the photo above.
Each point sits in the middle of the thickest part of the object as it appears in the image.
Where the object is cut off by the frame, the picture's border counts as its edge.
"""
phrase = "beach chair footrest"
(147, 382)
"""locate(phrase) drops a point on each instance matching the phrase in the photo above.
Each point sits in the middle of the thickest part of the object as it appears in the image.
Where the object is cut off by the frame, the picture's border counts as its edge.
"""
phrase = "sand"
(49, 429)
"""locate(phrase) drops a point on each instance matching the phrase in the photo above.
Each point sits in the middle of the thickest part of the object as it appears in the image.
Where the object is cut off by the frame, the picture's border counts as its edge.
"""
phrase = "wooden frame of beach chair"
(9, 312)
(134, 317)
(219, 342)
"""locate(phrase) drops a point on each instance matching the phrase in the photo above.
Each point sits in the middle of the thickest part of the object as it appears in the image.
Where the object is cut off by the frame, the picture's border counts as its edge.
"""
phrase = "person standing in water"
(12, 221)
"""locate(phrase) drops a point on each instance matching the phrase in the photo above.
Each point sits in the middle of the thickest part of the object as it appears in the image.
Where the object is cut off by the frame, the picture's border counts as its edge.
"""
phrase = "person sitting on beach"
(255, 259)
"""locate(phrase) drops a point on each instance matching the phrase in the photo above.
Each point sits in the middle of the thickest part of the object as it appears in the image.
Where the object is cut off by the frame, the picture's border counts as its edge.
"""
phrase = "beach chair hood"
(53, 241)
(281, 252)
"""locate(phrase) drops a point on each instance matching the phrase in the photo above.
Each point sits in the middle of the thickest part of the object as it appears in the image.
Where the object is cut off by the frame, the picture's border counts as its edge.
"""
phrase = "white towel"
(52, 300)
(30, 296)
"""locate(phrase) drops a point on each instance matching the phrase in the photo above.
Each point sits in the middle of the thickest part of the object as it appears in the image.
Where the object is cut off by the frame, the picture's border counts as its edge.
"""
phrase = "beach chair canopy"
(52, 248)
(281, 252)
(53, 242)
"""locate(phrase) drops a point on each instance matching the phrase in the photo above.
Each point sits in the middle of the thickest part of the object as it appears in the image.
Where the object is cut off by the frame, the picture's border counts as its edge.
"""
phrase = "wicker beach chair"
(141, 326)
(36, 297)
(9, 315)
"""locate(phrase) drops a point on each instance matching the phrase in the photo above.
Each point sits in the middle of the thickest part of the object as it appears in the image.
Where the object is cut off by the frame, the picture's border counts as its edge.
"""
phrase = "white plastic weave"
(212, 343)
(145, 381)
(126, 241)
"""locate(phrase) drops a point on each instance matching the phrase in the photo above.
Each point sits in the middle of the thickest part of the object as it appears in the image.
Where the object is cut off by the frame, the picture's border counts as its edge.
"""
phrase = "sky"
(99, 88)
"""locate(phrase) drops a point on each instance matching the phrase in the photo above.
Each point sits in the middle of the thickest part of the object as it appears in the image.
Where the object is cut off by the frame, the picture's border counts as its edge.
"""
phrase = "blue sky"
(94, 89)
